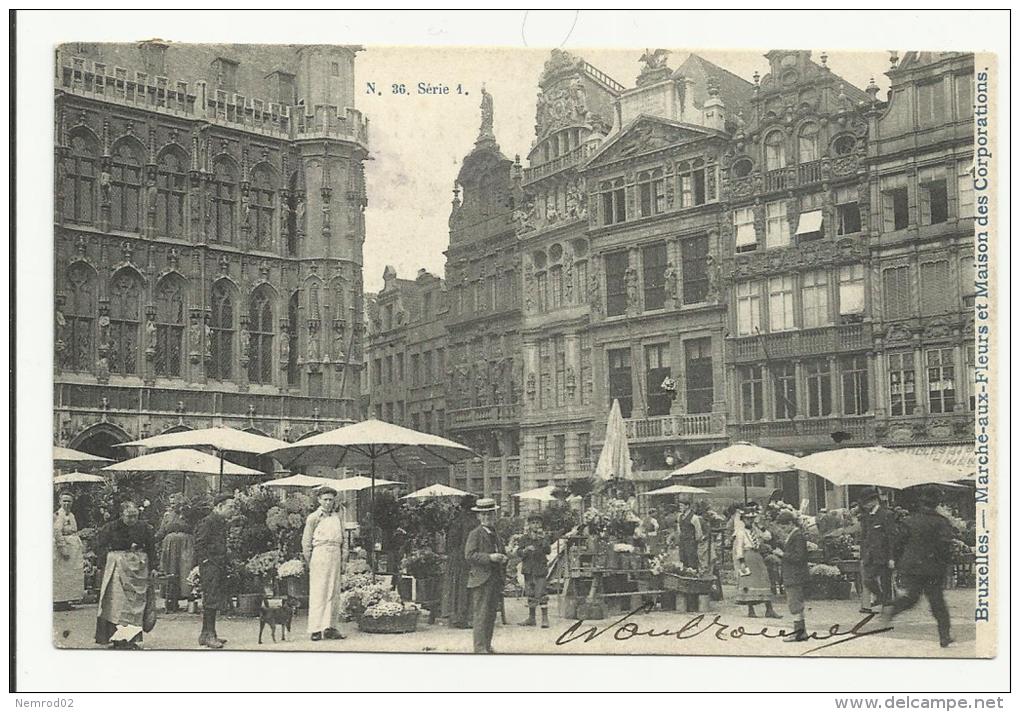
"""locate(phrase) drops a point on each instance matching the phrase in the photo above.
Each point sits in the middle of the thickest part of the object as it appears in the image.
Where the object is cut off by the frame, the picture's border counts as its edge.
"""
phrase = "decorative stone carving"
(670, 276)
(630, 278)
(530, 387)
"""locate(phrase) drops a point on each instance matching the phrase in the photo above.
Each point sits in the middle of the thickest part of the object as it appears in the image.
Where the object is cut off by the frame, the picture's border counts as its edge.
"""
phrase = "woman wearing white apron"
(322, 544)
(68, 560)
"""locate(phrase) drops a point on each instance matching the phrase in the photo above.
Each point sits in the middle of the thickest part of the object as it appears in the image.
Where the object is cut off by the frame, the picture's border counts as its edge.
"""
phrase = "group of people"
(919, 549)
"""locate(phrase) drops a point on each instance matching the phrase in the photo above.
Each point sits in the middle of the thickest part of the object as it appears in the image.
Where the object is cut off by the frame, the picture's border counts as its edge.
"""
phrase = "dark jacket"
(879, 538)
(928, 547)
(480, 543)
(118, 536)
(795, 559)
(211, 539)
(535, 562)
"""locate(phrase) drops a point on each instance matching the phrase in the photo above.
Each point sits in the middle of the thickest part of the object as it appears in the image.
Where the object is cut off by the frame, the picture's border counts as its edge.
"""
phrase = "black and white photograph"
(659, 349)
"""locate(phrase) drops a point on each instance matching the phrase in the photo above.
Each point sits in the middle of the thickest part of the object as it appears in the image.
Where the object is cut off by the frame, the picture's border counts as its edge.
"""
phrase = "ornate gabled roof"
(647, 133)
(735, 92)
(915, 58)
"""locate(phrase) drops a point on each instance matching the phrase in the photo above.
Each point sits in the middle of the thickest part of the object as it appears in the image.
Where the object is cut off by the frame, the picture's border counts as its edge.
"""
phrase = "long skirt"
(324, 588)
(456, 601)
(757, 586)
(122, 596)
(176, 559)
(69, 573)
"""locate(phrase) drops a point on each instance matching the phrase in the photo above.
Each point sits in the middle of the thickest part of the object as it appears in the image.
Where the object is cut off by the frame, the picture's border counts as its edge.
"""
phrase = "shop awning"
(810, 222)
(956, 455)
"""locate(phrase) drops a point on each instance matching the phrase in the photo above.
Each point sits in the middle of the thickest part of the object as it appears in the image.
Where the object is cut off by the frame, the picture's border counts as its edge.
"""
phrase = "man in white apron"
(322, 544)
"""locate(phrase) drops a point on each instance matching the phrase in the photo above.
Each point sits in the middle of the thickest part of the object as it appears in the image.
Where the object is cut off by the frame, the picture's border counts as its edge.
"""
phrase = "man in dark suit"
(879, 538)
(795, 571)
(211, 555)
(926, 556)
(485, 555)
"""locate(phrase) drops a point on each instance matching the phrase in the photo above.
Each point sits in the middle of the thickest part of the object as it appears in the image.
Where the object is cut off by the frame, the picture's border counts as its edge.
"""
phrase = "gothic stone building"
(208, 231)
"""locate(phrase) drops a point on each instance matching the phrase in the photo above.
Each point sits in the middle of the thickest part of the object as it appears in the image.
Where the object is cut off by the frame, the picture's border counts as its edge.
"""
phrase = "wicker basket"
(406, 622)
(687, 584)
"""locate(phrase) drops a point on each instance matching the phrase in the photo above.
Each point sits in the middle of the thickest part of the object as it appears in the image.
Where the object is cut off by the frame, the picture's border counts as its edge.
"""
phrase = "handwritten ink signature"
(624, 629)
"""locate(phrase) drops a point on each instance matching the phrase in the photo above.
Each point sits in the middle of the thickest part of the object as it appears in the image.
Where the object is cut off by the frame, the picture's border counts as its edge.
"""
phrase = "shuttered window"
(935, 292)
(896, 292)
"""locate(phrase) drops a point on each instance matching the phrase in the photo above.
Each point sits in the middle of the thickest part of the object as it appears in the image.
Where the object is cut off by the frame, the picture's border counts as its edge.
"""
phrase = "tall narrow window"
(651, 193)
(584, 377)
(620, 386)
(221, 325)
(781, 303)
(126, 188)
(415, 370)
(964, 85)
(653, 267)
(293, 375)
(784, 377)
(941, 380)
(169, 327)
(933, 195)
(80, 171)
(694, 257)
(807, 143)
(896, 292)
(79, 318)
(819, 387)
(936, 297)
(224, 198)
(752, 406)
(814, 297)
(777, 227)
(125, 323)
(657, 370)
(743, 228)
(616, 282)
(691, 175)
(545, 374)
(699, 379)
(260, 334)
(775, 153)
(854, 374)
(931, 104)
(555, 287)
(581, 281)
(171, 184)
(614, 203)
(902, 395)
(895, 207)
(542, 448)
(964, 190)
(748, 308)
(542, 289)
(262, 202)
(851, 293)
(560, 357)
(848, 211)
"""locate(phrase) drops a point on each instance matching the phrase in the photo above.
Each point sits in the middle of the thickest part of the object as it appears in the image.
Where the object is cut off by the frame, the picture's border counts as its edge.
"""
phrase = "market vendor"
(68, 559)
(128, 548)
(688, 535)
(176, 545)
(322, 545)
(753, 583)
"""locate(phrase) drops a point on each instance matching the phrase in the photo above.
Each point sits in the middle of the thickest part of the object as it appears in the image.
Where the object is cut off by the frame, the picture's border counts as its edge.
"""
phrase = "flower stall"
(827, 582)
(373, 602)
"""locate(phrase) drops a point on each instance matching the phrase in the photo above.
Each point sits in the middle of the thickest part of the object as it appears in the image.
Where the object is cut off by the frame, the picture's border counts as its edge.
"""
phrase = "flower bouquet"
(289, 569)
(826, 582)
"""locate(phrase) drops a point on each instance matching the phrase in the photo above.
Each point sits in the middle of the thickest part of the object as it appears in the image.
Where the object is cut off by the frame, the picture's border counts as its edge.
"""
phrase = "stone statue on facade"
(631, 281)
(670, 276)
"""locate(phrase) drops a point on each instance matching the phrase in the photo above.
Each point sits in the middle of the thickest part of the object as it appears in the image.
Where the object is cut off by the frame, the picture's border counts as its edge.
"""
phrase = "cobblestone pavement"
(725, 629)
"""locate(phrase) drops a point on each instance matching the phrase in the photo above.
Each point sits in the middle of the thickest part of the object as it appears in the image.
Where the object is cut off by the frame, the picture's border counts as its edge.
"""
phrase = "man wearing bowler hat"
(485, 555)
(879, 534)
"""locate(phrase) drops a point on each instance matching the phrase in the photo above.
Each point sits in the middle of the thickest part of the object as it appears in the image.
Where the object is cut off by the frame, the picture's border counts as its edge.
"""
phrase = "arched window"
(775, 154)
(125, 322)
(126, 187)
(807, 143)
(79, 317)
(295, 205)
(293, 376)
(169, 326)
(171, 183)
(224, 198)
(260, 338)
(651, 192)
(80, 173)
(262, 199)
(221, 327)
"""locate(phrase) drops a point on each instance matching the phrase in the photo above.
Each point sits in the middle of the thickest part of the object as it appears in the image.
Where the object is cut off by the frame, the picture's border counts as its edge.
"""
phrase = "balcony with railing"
(484, 416)
(671, 427)
(777, 179)
(802, 342)
(806, 431)
(803, 174)
(560, 163)
(810, 172)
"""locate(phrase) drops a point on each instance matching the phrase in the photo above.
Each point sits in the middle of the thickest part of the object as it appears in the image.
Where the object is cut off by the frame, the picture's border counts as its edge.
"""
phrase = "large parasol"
(880, 467)
(539, 494)
(675, 489)
(436, 490)
(182, 461)
(74, 478)
(740, 458)
(64, 457)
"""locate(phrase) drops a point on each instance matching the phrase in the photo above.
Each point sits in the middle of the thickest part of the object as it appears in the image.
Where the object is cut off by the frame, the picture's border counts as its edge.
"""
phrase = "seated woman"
(753, 583)
(128, 548)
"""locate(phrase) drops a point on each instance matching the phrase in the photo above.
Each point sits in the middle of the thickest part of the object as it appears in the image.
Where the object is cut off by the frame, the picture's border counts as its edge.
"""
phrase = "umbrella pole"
(744, 477)
(220, 486)
(371, 519)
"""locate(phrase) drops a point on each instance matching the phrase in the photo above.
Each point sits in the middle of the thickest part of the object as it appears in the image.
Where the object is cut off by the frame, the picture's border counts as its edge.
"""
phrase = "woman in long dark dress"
(176, 555)
(456, 604)
(127, 548)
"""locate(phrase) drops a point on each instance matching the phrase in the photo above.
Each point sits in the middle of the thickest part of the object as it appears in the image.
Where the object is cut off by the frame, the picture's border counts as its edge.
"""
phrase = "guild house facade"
(786, 260)
(209, 224)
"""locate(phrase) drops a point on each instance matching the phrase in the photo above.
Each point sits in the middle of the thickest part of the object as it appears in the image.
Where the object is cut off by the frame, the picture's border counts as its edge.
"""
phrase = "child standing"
(534, 551)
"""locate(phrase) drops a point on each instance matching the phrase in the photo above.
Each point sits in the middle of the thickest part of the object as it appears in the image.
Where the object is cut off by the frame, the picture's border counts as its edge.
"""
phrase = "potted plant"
(389, 616)
(291, 574)
(263, 567)
(826, 582)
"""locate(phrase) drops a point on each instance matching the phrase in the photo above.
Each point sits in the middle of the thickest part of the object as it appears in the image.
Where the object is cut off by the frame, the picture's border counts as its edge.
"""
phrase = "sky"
(417, 142)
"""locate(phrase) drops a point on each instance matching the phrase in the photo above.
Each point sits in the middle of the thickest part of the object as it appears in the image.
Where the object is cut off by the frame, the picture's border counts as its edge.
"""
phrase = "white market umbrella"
(64, 457)
(676, 489)
(300, 481)
(358, 483)
(614, 459)
(880, 467)
(221, 438)
(740, 458)
(181, 460)
(72, 478)
(368, 442)
(436, 490)
(539, 494)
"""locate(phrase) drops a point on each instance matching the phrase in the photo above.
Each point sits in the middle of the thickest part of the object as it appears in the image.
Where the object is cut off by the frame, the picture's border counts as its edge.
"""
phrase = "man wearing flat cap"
(795, 570)
(486, 558)
(879, 538)
(322, 545)
(211, 554)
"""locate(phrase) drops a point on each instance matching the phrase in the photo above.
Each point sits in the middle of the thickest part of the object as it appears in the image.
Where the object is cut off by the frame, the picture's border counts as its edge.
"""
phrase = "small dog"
(277, 616)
